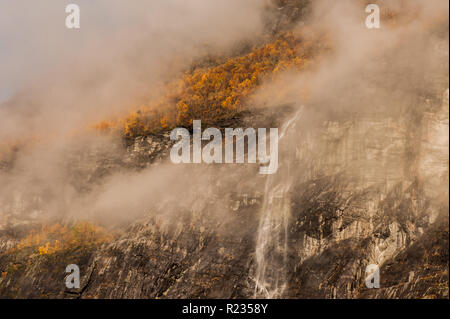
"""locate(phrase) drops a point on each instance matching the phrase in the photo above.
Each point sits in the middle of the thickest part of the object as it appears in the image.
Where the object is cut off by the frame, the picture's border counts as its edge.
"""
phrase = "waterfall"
(272, 236)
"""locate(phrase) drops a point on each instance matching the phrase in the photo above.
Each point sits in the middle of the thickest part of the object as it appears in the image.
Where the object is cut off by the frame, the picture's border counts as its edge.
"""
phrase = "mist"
(61, 80)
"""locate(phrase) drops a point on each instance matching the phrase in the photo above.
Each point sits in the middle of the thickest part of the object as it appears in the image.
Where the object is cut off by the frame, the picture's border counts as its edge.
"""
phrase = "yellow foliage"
(164, 122)
(43, 250)
(105, 126)
(214, 93)
(51, 239)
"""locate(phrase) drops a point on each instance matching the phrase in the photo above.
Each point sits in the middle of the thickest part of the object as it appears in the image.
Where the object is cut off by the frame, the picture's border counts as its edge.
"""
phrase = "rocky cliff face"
(357, 206)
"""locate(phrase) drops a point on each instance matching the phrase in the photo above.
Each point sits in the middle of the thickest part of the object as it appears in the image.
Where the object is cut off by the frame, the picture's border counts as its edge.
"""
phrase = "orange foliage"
(215, 93)
(55, 238)
(105, 125)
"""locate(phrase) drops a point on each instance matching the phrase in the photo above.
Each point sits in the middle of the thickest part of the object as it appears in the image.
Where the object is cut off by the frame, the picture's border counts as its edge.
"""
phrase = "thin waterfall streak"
(272, 238)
